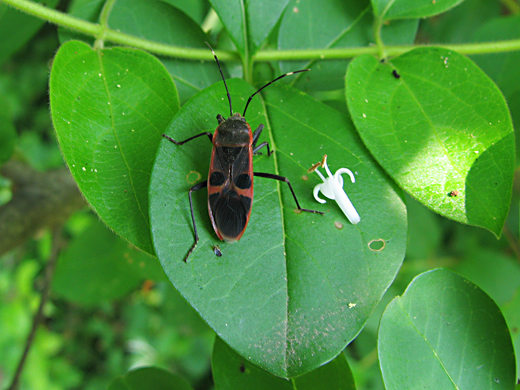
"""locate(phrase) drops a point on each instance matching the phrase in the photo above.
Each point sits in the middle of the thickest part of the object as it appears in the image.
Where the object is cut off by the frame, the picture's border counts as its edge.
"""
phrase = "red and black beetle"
(230, 179)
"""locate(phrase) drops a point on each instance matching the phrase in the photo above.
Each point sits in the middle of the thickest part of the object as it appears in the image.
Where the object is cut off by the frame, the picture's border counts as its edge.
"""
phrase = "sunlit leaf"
(440, 127)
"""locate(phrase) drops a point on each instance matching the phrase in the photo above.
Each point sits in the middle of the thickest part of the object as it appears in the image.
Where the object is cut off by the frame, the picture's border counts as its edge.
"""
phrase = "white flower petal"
(317, 189)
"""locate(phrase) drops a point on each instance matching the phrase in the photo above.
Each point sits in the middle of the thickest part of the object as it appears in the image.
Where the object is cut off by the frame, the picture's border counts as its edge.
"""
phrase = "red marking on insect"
(230, 179)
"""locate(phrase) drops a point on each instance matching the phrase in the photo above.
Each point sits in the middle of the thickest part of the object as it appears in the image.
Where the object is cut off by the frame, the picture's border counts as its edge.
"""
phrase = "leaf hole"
(377, 245)
(193, 176)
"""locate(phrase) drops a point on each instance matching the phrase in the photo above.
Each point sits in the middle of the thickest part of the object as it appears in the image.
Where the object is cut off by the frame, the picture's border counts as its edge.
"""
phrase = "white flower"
(332, 188)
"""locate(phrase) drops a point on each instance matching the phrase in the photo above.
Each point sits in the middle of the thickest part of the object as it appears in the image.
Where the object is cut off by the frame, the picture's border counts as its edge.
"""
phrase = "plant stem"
(49, 273)
(512, 6)
(97, 30)
(103, 21)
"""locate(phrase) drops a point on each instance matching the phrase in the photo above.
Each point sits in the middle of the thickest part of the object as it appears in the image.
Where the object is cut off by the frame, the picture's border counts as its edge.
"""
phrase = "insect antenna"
(223, 79)
(269, 83)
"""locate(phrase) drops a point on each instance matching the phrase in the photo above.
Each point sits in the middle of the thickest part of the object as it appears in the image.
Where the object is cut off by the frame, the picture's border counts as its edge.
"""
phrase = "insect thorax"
(234, 131)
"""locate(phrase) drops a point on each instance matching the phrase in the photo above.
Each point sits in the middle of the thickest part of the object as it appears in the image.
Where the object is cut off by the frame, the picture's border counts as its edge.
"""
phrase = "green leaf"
(346, 27)
(313, 279)
(501, 67)
(232, 371)
(424, 232)
(442, 126)
(459, 24)
(161, 22)
(262, 16)
(149, 378)
(511, 312)
(8, 133)
(99, 266)
(109, 109)
(17, 28)
(445, 333)
(411, 9)
(498, 275)
(195, 9)
(232, 14)
(249, 22)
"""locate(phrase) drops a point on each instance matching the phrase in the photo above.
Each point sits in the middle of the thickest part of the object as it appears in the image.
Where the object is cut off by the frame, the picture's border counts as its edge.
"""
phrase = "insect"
(230, 179)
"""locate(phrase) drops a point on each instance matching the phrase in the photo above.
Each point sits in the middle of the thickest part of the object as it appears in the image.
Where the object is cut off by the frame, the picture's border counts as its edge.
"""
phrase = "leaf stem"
(512, 6)
(96, 30)
(103, 21)
(381, 52)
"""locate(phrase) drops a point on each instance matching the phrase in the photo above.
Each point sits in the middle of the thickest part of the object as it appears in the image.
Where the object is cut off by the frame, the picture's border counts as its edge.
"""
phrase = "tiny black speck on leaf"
(396, 75)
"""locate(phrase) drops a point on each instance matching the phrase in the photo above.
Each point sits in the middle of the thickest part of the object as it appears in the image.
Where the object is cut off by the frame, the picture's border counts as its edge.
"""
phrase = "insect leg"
(196, 187)
(284, 179)
(256, 148)
(189, 139)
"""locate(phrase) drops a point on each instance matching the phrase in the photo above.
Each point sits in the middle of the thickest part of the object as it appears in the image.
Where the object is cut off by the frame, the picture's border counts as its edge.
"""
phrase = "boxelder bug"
(230, 179)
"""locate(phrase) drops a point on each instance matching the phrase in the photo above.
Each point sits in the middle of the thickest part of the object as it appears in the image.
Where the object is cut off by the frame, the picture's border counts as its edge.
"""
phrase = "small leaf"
(109, 109)
(440, 128)
(232, 371)
(411, 9)
(195, 9)
(17, 28)
(313, 279)
(99, 266)
(249, 22)
(445, 333)
(232, 14)
(262, 16)
(149, 378)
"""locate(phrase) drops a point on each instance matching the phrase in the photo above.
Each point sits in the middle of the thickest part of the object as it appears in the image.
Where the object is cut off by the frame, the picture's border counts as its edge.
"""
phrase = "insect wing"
(230, 191)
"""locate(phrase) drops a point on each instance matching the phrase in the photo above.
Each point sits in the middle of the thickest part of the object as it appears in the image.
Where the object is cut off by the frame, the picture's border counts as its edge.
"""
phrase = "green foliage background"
(415, 97)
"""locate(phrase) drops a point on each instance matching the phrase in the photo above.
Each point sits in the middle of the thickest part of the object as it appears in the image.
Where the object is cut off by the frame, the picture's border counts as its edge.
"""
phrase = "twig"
(513, 244)
(40, 200)
(57, 244)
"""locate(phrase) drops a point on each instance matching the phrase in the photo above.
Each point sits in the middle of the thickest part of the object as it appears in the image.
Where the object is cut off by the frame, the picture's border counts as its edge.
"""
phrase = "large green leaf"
(445, 333)
(440, 126)
(16, 28)
(313, 280)
(99, 266)
(109, 109)
(406, 9)
(346, 26)
(231, 371)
